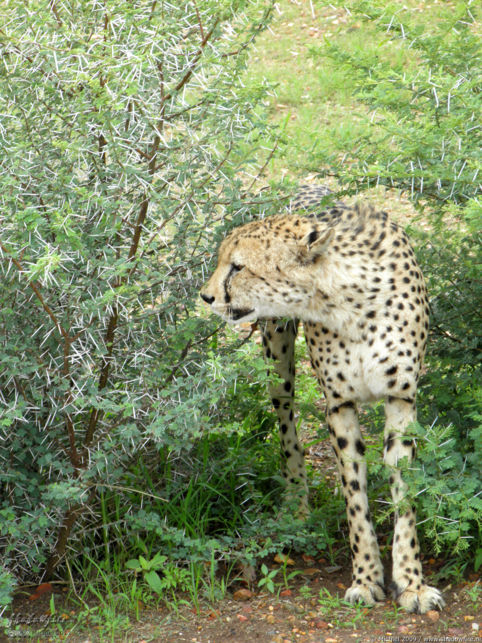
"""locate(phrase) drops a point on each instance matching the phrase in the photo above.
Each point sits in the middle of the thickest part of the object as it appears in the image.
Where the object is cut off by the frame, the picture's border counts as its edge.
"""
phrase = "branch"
(189, 73)
(96, 414)
(185, 351)
(53, 7)
(36, 290)
(261, 170)
(256, 30)
(73, 453)
(68, 340)
(199, 20)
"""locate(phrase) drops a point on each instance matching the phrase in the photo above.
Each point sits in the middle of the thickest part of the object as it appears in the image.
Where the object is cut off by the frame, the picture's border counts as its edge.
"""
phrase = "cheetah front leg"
(407, 580)
(349, 448)
(279, 351)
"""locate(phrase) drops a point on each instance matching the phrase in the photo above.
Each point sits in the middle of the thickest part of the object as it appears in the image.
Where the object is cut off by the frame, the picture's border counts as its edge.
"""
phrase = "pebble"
(242, 595)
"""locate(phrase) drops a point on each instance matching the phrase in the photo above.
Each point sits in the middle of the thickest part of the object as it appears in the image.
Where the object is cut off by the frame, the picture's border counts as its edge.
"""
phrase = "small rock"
(242, 594)
(475, 627)
(433, 615)
(403, 629)
(321, 625)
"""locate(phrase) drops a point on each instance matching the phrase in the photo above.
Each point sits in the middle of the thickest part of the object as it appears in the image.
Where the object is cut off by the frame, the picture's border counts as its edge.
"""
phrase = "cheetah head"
(265, 269)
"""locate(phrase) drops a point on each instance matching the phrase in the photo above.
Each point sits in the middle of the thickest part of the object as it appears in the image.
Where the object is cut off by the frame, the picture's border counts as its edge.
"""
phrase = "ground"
(308, 615)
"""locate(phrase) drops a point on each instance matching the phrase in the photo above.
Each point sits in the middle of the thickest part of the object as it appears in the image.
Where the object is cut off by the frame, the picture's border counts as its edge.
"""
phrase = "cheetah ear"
(314, 244)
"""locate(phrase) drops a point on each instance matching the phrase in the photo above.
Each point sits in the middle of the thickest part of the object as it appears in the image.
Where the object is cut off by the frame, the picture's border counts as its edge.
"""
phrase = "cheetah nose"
(207, 298)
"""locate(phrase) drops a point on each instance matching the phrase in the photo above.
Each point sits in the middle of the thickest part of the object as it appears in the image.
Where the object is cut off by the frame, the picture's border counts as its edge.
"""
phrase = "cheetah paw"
(419, 601)
(369, 593)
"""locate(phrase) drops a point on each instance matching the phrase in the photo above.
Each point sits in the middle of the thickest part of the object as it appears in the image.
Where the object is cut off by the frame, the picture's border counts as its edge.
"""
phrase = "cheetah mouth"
(235, 314)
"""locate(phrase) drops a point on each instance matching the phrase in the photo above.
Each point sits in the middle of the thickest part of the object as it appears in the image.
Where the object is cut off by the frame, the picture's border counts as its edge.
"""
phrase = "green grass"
(313, 100)
(342, 613)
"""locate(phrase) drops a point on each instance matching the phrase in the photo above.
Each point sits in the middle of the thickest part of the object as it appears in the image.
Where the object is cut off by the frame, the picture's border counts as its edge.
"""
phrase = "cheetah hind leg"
(279, 352)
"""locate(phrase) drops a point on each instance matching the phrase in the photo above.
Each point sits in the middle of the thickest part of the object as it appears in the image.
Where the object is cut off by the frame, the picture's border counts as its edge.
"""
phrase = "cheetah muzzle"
(350, 275)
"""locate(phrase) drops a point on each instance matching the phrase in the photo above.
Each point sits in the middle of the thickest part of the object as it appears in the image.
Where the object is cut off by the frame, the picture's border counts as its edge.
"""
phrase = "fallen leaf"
(433, 615)
(43, 588)
(309, 571)
(308, 559)
(285, 592)
(283, 559)
(341, 586)
(242, 594)
(321, 625)
(242, 617)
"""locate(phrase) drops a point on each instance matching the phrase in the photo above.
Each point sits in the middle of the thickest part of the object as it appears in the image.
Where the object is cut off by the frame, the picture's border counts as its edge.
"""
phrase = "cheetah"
(350, 275)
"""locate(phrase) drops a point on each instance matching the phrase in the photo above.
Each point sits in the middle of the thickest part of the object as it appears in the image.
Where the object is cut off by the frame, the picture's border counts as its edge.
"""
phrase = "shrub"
(124, 130)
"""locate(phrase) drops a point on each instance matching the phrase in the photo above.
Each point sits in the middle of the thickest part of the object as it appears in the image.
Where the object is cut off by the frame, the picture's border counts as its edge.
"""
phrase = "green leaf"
(153, 580)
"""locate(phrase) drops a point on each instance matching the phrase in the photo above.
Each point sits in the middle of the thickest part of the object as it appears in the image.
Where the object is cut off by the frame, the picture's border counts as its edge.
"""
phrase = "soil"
(288, 617)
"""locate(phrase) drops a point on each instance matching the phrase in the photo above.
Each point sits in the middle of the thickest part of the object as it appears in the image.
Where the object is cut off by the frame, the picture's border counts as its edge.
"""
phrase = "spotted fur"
(350, 275)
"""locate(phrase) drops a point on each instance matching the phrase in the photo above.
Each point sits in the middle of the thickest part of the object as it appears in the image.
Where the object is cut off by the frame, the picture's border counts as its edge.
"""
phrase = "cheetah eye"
(235, 267)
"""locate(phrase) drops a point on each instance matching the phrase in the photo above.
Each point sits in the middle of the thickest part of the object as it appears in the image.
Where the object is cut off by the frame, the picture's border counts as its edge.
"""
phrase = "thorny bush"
(124, 130)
